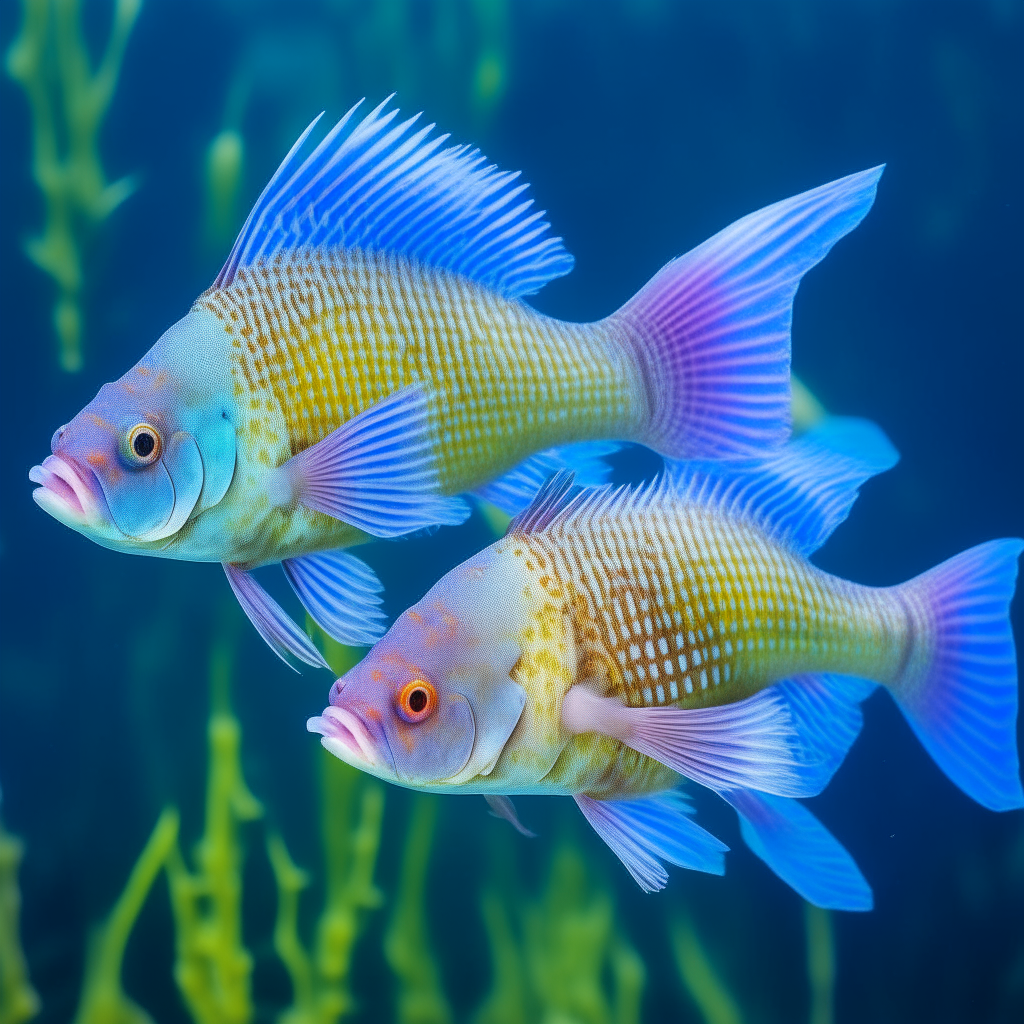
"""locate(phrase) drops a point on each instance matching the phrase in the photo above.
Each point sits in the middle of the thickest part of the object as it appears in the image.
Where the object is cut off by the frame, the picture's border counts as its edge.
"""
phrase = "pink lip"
(61, 479)
(344, 729)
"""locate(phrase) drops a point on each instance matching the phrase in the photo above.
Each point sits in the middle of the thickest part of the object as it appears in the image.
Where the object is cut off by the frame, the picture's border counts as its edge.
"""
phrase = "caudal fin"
(711, 329)
(959, 693)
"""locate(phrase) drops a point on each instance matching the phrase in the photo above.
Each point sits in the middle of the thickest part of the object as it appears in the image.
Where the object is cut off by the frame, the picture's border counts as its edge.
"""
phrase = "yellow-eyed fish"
(617, 642)
(365, 356)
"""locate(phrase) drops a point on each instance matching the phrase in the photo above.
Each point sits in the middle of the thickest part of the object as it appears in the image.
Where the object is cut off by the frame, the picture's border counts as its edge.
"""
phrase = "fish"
(620, 644)
(365, 359)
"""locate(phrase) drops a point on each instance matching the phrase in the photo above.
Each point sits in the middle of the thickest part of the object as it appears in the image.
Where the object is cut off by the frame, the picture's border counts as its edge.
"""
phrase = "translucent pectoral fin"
(376, 472)
(341, 593)
(502, 807)
(800, 850)
(271, 621)
(750, 744)
(643, 833)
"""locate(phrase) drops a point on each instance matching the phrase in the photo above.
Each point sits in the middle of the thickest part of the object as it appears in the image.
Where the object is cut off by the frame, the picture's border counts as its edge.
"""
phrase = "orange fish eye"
(142, 444)
(416, 700)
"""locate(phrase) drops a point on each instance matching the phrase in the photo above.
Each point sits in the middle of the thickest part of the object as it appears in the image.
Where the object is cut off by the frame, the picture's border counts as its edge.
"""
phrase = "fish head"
(434, 702)
(152, 449)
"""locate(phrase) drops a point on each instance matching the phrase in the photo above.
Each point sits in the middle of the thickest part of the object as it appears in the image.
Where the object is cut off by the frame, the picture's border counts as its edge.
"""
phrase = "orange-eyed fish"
(364, 357)
(620, 641)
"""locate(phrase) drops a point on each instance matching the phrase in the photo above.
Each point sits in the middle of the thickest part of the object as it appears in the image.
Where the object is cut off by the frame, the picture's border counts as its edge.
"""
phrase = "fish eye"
(416, 700)
(143, 444)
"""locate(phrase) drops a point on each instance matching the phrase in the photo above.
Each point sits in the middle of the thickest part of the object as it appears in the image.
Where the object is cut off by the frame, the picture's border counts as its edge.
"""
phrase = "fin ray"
(643, 833)
(385, 187)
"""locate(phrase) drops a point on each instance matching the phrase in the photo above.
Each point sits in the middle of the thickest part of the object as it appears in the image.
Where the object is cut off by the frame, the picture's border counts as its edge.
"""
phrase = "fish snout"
(346, 736)
(66, 490)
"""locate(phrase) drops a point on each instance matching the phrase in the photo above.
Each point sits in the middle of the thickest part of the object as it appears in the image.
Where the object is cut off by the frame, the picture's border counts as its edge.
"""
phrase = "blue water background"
(644, 128)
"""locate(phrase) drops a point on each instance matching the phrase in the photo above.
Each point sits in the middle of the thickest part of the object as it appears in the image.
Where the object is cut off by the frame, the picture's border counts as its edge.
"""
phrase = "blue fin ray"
(642, 833)
(272, 623)
(375, 472)
(962, 703)
(799, 493)
(519, 486)
(341, 593)
(382, 187)
(800, 850)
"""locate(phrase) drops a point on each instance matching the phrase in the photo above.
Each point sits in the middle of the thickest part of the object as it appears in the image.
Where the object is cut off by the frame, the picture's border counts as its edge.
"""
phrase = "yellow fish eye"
(416, 700)
(143, 444)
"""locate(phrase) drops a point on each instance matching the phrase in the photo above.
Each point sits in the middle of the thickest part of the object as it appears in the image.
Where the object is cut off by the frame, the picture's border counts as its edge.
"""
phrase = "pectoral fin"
(752, 740)
(376, 472)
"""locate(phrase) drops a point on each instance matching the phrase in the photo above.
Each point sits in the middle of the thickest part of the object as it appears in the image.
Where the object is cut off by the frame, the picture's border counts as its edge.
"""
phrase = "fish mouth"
(66, 492)
(345, 736)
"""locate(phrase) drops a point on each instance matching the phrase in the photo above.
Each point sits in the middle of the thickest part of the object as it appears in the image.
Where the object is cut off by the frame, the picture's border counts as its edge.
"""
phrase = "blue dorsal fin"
(801, 492)
(550, 501)
(381, 186)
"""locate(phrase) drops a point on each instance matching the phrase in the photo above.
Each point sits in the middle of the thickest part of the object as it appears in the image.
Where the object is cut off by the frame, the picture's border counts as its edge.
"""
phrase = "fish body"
(313, 344)
(619, 642)
(365, 357)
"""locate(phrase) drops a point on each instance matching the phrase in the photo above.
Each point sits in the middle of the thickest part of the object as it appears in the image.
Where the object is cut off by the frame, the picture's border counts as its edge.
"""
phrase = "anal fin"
(800, 850)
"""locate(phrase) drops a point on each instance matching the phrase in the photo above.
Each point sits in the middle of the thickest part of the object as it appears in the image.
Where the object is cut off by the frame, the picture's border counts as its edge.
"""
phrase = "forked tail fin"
(711, 329)
(959, 692)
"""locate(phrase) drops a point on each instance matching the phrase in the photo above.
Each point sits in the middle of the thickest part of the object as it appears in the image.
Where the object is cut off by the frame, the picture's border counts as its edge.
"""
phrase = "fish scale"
(688, 607)
(328, 339)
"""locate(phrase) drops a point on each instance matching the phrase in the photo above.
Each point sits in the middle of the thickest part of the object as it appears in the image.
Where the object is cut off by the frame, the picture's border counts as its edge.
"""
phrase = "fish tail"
(711, 330)
(958, 690)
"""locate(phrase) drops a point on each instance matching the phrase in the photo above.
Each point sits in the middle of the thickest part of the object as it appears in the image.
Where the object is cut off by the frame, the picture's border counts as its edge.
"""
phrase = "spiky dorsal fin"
(384, 187)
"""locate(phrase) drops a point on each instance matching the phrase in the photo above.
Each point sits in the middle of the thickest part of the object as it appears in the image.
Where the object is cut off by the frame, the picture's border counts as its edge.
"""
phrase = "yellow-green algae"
(408, 949)
(68, 102)
(103, 1000)
(821, 963)
(18, 999)
(213, 968)
(552, 960)
(699, 976)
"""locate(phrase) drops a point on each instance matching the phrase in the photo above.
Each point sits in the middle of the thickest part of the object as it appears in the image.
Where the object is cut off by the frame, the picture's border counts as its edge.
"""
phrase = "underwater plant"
(213, 968)
(68, 102)
(699, 976)
(19, 1001)
(102, 999)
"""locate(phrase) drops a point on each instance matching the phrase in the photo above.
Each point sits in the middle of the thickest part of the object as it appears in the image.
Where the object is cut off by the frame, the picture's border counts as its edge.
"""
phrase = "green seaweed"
(699, 976)
(351, 816)
(213, 968)
(408, 949)
(18, 999)
(68, 102)
(553, 959)
(102, 999)
(821, 963)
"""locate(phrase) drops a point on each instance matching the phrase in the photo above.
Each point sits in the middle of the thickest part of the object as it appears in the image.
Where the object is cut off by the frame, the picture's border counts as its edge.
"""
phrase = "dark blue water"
(644, 128)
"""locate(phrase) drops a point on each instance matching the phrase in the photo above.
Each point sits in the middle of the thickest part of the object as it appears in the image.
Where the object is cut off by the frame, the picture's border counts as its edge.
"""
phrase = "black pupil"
(417, 700)
(143, 444)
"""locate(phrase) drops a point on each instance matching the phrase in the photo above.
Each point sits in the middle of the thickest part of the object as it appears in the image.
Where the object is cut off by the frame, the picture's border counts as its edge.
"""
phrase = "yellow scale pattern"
(683, 605)
(319, 340)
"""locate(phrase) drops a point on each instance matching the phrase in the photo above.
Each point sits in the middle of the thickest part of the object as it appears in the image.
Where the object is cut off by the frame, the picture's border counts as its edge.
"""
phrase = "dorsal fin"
(375, 186)
(800, 493)
(549, 502)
